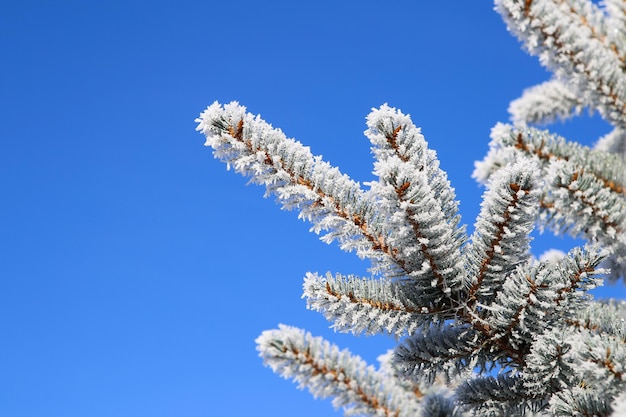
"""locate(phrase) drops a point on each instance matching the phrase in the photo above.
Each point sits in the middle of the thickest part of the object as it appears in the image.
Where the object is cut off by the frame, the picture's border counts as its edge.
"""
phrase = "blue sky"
(136, 271)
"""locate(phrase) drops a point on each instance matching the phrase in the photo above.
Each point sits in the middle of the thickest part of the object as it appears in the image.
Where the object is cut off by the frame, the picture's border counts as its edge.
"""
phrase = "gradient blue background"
(136, 271)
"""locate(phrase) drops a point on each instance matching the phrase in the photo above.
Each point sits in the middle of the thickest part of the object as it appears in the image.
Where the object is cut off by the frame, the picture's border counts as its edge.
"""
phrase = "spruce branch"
(501, 238)
(566, 37)
(580, 401)
(551, 365)
(609, 356)
(580, 203)
(544, 147)
(420, 206)
(502, 395)
(606, 319)
(446, 350)
(584, 193)
(542, 296)
(565, 361)
(545, 103)
(326, 371)
(532, 300)
(368, 305)
(599, 382)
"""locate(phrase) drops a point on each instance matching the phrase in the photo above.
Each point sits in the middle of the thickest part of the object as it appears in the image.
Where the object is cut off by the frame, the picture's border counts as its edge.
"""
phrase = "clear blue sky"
(136, 271)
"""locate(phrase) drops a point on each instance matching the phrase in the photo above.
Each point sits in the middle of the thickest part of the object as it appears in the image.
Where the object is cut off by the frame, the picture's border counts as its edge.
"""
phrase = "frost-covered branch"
(575, 371)
(571, 40)
(487, 329)
(544, 147)
(541, 296)
(600, 318)
(418, 201)
(502, 395)
(501, 239)
(584, 193)
(546, 102)
(368, 306)
(329, 372)
(447, 351)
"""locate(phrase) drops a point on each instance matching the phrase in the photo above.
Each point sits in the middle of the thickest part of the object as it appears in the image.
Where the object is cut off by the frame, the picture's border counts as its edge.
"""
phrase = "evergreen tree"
(484, 328)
